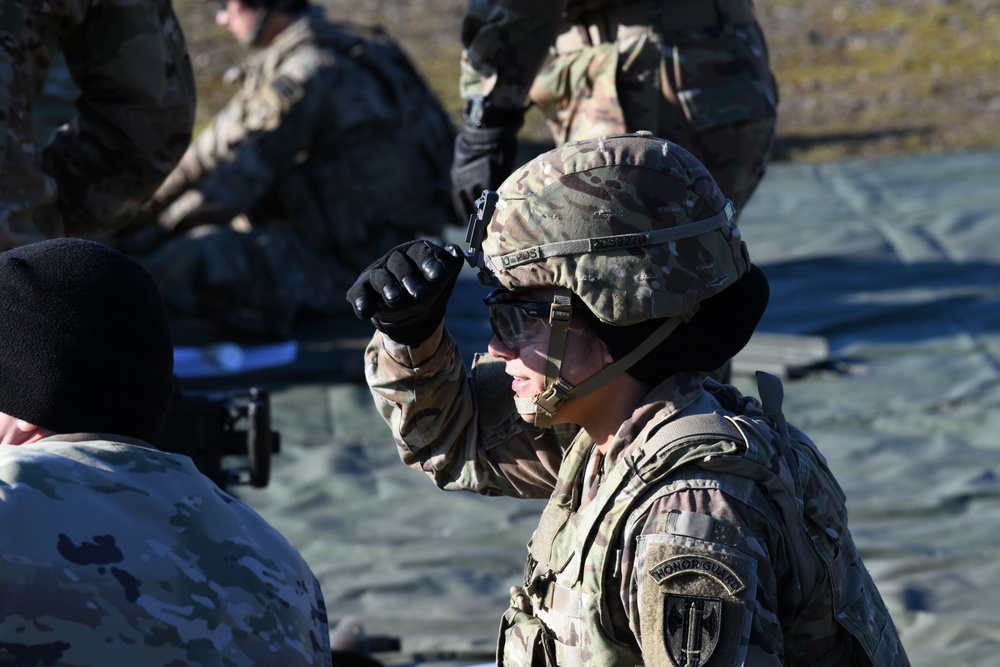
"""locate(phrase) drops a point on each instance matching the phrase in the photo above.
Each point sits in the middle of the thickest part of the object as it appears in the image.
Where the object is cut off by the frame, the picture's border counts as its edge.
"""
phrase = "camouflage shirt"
(135, 114)
(317, 141)
(616, 572)
(113, 553)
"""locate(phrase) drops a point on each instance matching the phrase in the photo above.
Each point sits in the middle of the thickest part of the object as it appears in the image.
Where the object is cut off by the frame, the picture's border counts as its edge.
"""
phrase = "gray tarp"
(895, 262)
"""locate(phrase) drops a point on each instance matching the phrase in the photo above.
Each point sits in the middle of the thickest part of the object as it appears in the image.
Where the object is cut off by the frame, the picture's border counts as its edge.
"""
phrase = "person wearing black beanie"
(113, 551)
(85, 343)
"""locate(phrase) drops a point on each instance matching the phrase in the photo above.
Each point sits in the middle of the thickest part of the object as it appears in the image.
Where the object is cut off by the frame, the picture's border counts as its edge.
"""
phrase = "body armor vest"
(555, 619)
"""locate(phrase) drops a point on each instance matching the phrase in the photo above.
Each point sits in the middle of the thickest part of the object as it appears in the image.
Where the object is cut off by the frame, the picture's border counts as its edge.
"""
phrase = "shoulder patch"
(265, 108)
(695, 601)
(289, 90)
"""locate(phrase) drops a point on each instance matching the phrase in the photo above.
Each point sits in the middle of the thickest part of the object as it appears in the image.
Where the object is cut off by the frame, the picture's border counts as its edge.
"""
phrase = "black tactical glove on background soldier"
(405, 292)
(485, 153)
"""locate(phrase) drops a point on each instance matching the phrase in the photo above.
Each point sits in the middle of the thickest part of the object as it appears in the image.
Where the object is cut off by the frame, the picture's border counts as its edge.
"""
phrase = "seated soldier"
(111, 551)
(333, 151)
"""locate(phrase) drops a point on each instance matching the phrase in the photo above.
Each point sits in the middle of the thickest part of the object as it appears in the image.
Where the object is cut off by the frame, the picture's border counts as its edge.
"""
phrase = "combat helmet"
(631, 226)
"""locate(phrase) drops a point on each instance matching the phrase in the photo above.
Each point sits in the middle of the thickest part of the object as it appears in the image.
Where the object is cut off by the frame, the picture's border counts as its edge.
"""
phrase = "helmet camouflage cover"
(634, 225)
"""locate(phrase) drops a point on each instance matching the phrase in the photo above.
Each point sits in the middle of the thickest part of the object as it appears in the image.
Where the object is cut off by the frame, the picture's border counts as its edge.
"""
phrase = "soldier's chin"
(528, 417)
(525, 407)
(527, 414)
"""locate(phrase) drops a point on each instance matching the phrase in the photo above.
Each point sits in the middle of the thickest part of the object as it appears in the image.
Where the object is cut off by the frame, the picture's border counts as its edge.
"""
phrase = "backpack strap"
(692, 429)
(672, 445)
(772, 393)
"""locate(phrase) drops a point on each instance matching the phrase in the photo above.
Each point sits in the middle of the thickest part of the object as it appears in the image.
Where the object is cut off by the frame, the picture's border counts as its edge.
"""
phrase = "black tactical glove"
(485, 152)
(405, 292)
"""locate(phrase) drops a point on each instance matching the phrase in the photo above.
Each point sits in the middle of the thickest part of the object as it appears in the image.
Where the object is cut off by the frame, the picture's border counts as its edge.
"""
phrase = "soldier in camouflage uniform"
(134, 116)
(112, 552)
(333, 151)
(693, 71)
(686, 524)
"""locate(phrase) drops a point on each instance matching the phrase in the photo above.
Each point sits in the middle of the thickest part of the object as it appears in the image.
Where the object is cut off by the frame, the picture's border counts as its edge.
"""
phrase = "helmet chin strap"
(557, 389)
(260, 24)
(545, 404)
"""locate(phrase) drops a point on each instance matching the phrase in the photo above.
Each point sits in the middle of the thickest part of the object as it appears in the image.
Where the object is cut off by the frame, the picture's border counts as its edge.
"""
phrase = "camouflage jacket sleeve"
(439, 426)
(505, 43)
(662, 533)
(714, 524)
(135, 113)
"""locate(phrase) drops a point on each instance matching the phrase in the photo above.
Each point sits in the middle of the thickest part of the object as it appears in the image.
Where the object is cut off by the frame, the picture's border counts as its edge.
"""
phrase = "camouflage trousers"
(257, 282)
(708, 89)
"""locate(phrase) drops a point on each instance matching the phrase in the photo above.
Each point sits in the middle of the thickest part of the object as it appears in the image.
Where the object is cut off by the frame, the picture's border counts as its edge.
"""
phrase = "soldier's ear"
(30, 433)
(14, 431)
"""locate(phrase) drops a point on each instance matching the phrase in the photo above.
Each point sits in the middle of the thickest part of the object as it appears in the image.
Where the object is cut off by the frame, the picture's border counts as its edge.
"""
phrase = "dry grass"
(876, 78)
(863, 78)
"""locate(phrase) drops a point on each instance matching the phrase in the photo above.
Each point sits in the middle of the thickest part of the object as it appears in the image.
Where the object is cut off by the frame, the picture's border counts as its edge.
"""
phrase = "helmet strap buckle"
(561, 310)
(547, 403)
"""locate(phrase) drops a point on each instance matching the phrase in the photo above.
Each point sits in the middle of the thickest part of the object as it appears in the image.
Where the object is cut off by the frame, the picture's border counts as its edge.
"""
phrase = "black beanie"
(720, 328)
(287, 6)
(85, 343)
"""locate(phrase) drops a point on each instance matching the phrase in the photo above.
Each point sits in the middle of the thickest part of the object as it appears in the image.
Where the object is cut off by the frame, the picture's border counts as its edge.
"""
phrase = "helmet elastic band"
(602, 244)
(545, 404)
(557, 390)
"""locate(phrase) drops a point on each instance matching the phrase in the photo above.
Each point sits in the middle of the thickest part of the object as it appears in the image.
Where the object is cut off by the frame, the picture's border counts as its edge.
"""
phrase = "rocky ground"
(865, 78)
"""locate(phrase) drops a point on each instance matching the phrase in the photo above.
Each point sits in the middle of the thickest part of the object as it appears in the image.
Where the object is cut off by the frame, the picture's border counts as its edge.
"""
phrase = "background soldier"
(333, 151)
(134, 116)
(115, 552)
(693, 71)
(686, 524)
